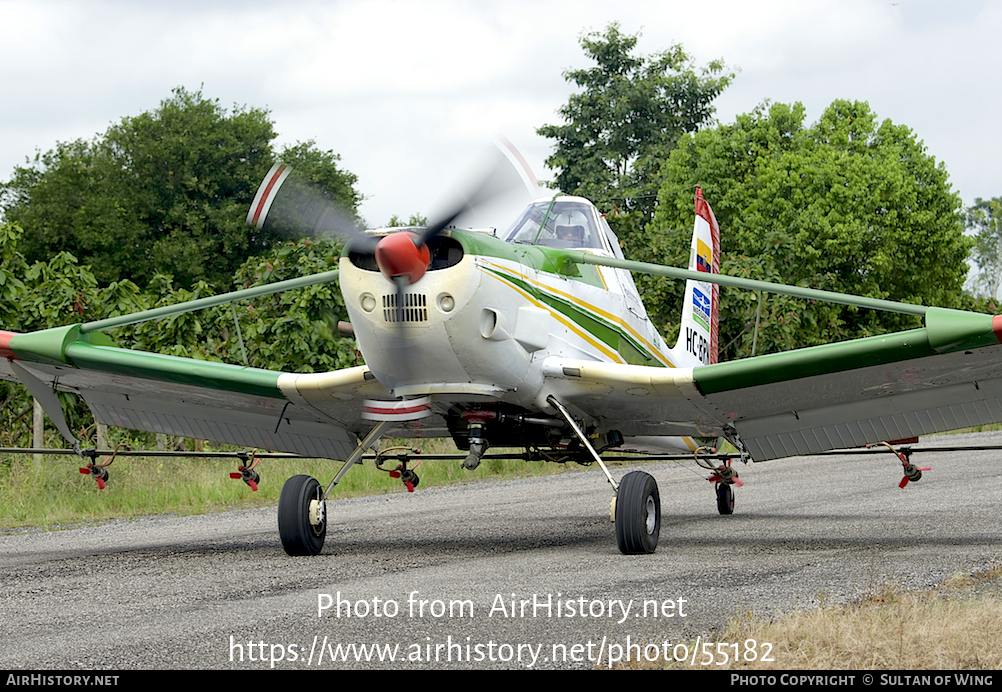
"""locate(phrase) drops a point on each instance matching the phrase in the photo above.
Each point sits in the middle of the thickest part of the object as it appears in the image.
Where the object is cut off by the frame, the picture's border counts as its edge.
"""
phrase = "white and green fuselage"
(492, 326)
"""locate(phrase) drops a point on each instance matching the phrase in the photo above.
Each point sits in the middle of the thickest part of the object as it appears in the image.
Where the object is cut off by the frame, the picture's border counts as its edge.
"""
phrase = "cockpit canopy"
(565, 222)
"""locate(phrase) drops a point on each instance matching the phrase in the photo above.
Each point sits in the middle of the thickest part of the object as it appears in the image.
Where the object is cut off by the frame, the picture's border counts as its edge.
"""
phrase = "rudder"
(698, 336)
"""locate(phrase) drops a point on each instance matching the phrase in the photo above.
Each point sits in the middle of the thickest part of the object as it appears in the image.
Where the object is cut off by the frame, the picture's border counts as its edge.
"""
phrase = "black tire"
(298, 536)
(638, 514)
(725, 498)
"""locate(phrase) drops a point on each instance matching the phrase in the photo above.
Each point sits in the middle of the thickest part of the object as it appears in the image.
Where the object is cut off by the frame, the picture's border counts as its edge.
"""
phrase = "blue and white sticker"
(700, 308)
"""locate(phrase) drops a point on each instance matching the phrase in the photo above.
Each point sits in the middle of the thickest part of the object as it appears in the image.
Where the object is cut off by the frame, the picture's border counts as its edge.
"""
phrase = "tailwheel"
(302, 517)
(638, 514)
(725, 498)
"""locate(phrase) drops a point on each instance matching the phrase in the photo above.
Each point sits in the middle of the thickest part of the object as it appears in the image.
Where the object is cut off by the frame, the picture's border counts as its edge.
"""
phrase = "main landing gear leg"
(302, 509)
(637, 505)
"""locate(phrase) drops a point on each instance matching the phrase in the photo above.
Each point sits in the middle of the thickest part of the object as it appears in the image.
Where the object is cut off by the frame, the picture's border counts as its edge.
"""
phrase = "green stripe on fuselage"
(536, 257)
(611, 334)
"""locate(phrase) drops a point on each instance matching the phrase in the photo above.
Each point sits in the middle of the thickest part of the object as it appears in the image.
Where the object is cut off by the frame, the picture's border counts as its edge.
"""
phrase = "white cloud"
(404, 89)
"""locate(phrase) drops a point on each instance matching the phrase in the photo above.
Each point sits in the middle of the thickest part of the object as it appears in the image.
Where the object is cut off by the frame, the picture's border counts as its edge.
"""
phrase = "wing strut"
(370, 439)
(565, 414)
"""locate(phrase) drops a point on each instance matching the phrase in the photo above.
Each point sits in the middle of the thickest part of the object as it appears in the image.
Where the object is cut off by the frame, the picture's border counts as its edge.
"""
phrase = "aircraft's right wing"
(945, 376)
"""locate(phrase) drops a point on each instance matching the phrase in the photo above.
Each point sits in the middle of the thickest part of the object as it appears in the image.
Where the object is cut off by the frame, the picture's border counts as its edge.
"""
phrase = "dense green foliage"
(162, 192)
(984, 220)
(294, 331)
(630, 113)
(39, 295)
(845, 205)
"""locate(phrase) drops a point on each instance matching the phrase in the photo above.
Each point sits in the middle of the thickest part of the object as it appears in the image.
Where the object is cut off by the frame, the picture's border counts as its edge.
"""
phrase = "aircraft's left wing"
(315, 415)
(944, 376)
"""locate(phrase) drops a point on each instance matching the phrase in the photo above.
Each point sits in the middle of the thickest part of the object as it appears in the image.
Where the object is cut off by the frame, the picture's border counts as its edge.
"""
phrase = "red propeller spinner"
(402, 254)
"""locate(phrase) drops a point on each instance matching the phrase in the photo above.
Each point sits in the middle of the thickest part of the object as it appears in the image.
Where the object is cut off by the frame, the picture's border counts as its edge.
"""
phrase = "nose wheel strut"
(302, 509)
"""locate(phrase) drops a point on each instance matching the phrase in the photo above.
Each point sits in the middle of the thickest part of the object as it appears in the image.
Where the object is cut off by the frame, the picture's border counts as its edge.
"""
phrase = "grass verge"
(957, 626)
(53, 493)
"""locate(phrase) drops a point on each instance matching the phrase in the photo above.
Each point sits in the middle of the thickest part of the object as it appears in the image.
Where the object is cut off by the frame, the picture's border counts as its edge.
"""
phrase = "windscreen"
(557, 224)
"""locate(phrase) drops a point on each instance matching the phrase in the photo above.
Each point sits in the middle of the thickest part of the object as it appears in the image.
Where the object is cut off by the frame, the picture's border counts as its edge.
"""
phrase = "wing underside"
(945, 376)
(866, 405)
(314, 415)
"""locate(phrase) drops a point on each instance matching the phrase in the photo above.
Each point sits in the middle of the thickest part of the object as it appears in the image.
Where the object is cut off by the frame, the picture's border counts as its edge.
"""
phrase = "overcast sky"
(408, 91)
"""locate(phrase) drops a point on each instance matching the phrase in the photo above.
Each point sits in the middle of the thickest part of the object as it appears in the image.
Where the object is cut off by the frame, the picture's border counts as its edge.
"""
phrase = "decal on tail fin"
(697, 338)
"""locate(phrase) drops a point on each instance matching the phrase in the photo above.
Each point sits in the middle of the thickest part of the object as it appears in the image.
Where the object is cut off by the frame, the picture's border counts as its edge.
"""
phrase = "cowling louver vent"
(414, 308)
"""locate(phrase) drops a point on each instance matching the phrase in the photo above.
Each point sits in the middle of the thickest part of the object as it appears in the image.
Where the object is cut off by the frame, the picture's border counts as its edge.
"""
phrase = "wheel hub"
(318, 513)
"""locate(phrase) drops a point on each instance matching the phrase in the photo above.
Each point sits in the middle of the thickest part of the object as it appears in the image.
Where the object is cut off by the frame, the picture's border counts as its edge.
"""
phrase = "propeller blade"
(291, 205)
(497, 188)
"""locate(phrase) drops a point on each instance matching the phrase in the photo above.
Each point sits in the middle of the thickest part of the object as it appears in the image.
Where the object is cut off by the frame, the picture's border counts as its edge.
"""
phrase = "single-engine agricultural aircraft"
(535, 338)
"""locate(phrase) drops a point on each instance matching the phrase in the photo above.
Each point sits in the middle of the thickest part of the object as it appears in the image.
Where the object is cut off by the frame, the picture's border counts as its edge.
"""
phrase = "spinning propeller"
(289, 204)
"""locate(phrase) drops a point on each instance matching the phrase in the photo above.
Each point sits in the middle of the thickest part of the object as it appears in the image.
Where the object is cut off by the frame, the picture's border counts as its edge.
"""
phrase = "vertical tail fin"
(697, 338)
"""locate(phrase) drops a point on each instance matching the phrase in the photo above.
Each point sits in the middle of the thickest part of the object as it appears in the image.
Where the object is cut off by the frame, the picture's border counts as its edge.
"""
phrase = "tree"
(42, 295)
(844, 205)
(165, 191)
(292, 331)
(414, 220)
(631, 112)
(984, 219)
(295, 331)
(12, 270)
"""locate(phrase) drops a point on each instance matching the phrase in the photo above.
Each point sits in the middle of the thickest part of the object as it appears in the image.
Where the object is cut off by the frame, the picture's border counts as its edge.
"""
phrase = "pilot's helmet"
(573, 233)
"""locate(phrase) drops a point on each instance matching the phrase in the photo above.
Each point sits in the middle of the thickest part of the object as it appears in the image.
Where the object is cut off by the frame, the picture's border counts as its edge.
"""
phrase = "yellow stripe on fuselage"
(588, 306)
(613, 355)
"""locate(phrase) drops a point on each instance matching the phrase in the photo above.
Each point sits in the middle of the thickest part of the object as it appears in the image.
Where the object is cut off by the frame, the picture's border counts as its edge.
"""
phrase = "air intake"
(414, 308)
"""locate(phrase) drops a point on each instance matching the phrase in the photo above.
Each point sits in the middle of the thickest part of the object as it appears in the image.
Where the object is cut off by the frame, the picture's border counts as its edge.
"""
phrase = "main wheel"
(638, 514)
(725, 498)
(299, 536)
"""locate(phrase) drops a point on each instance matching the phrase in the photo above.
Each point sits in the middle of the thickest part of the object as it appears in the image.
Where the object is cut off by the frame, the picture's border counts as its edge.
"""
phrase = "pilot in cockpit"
(561, 223)
(572, 235)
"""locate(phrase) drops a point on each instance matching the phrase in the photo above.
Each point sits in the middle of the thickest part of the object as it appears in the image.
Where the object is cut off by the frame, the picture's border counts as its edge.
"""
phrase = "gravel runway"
(506, 574)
